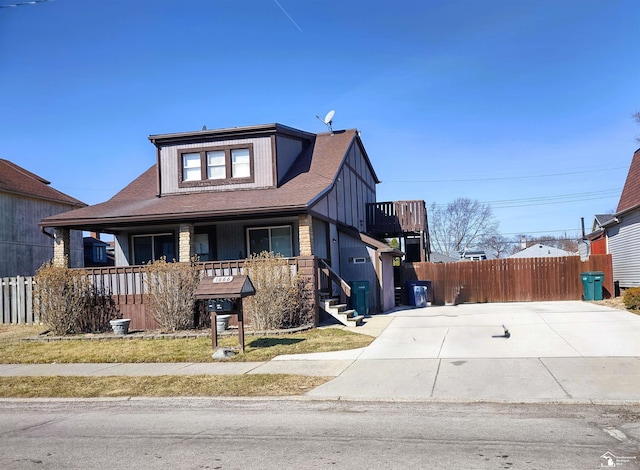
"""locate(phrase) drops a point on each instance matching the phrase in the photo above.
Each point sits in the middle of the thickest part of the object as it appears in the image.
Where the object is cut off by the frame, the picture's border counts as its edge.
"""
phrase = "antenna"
(328, 120)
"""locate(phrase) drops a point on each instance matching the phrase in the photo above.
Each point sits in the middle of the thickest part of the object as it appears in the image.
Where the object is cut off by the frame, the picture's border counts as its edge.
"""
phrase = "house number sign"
(221, 279)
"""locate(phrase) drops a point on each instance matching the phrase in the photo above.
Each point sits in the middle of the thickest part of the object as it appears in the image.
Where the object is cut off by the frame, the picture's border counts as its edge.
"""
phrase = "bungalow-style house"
(622, 231)
(226, 194)
(26, 198)
(539, 250)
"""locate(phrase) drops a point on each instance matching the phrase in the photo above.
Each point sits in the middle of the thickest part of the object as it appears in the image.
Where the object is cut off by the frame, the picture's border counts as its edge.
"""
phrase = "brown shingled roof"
(17, 180)
(310, 176)
(630, 197)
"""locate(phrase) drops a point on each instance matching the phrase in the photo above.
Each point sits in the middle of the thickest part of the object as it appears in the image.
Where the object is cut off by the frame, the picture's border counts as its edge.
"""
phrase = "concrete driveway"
(557, 351)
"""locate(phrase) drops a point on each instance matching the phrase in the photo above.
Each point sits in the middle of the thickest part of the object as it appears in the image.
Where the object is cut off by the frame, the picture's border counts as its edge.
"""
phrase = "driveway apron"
(555, 351)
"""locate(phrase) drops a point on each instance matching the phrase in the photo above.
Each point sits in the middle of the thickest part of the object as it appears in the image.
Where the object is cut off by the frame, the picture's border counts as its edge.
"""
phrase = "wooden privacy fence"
(510, 279)
(16, 300)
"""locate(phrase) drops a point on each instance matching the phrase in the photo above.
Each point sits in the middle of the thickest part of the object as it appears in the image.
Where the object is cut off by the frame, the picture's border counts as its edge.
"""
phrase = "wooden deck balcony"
(396, 218)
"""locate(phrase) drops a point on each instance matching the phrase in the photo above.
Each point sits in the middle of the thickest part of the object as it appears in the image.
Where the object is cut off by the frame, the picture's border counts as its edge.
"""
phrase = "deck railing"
(396, 217)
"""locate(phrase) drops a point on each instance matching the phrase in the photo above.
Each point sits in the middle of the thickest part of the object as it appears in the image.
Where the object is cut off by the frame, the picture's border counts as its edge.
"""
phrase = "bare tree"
(636, 116)
(498, 245)
(463, 224)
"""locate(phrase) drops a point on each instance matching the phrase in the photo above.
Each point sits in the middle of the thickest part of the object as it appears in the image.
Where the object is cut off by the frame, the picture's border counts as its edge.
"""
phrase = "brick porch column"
(61, 247)
(186, 243)
(305, 235)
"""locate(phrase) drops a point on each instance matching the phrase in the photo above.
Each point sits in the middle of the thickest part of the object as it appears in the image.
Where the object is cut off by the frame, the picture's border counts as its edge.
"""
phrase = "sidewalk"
(557, 351)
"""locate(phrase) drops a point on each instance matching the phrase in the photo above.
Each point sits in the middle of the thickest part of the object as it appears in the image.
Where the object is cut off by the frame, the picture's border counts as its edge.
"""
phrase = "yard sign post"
(224, 295)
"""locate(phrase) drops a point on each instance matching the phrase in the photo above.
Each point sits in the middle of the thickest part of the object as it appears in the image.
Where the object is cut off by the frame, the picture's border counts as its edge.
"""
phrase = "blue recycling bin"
(592, 285)
(359, 300)
(418, 293)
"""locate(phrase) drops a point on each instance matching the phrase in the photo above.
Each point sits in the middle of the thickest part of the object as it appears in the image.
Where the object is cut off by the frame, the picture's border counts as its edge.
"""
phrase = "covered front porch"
(126, 285)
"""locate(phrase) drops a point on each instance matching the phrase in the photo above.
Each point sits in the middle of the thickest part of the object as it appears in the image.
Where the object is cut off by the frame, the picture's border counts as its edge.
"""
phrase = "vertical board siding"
(511, 279)
(23, 246)
(353, 189)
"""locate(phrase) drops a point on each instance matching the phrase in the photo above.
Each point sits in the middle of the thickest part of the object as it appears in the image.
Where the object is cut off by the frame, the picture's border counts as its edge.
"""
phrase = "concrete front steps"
(340, 312)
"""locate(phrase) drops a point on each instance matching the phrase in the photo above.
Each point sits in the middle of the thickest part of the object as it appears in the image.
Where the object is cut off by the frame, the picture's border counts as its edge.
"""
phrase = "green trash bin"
(592, 285)
(359, 300)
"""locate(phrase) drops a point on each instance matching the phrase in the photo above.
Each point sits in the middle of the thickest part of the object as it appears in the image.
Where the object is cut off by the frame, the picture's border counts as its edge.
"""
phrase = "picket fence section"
(16, 300)
(510, 279)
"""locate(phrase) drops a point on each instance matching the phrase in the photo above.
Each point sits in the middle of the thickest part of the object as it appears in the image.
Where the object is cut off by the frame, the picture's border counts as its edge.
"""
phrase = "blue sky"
(525, 104)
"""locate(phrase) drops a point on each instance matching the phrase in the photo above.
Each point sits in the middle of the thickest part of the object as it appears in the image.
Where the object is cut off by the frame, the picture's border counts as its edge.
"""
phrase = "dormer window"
(216, 165)
(191, 167)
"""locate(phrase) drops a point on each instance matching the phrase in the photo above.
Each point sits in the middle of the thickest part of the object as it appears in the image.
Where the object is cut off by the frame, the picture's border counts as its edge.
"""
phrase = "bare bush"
(67, 303)
(280, 294)
(99, 309)
(171, 292)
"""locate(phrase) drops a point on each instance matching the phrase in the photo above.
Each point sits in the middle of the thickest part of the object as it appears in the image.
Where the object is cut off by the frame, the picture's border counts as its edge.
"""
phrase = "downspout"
(47, 233)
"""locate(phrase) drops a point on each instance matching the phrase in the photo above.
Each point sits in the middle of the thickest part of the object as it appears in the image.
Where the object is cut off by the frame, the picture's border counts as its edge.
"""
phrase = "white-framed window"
(240, 163)
(216, 165)
(191, 167)
(277, 239)
(151, 247)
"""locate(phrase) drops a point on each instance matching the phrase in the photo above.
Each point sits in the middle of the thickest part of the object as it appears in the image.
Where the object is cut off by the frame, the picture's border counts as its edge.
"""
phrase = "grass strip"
(246, 385)
(257, 348)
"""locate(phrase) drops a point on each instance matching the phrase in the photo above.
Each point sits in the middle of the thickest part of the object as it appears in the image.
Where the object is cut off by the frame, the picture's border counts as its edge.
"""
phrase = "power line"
(544, 232)
(547, 200)
(503, 178)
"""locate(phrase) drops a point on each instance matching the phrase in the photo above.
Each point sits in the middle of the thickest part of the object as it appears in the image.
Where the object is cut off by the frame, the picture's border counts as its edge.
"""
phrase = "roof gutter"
(104, 221)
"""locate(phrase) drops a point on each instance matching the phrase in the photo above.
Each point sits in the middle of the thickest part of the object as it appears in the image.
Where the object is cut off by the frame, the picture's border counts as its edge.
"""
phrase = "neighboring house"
(595, 243)
(229, 193)
(25, 199)
(541, 251)
(440, 258)
(473, 255)
(623, 231)
(96, 252)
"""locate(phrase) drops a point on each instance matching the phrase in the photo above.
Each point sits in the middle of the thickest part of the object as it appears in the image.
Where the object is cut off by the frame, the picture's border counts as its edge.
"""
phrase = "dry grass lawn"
(13, 350)
(162, 386)
(257, 348)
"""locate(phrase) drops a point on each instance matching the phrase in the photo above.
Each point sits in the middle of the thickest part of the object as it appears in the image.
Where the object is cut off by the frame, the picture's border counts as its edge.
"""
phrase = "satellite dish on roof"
(328, 120)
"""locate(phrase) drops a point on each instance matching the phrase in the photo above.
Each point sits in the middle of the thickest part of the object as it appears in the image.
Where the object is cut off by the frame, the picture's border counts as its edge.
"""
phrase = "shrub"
(171, 292)
(280, 299)
(67, 302)
(631, 299)
(98, 310)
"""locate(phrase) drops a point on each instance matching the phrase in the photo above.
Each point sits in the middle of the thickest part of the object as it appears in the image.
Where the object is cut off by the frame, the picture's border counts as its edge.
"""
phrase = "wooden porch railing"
(127, 287)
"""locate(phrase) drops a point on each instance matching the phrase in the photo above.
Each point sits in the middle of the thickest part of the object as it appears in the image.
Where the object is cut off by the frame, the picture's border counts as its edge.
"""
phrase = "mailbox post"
(224, 295)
